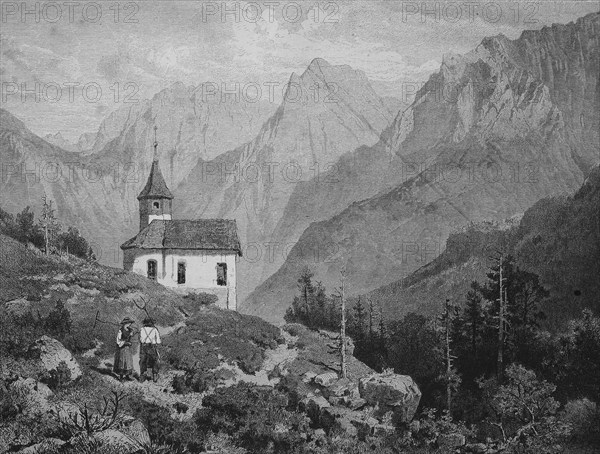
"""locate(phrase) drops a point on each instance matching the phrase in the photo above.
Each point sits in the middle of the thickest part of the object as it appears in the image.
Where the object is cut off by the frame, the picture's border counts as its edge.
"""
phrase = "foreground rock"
(398, 393)
(48, 445)
(33, 395)
(51, 353)
(449, 441)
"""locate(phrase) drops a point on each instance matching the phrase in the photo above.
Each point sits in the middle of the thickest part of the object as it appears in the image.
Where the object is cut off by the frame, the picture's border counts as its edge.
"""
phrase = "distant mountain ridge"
(97, 190)
(327, 111)
(558, 238)
(486, 137)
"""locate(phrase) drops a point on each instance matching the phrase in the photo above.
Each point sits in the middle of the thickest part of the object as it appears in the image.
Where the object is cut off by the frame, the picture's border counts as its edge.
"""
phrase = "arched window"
(156, 204)
(152, 269)
(181, 273)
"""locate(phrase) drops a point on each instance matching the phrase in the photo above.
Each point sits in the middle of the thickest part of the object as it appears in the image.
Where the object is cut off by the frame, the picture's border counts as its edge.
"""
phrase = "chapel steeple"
(155, 199)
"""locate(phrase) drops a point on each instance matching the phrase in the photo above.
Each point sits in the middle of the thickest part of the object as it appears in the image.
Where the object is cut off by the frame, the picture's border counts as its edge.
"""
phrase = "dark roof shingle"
(155, 186)
(207, 234)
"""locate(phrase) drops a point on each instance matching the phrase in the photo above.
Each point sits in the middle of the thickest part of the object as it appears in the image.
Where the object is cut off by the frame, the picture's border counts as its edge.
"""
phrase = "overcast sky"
(131, 50)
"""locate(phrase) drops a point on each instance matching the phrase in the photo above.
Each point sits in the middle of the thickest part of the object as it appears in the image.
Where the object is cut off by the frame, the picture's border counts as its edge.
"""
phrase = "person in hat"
(123, 365)
(149, 356)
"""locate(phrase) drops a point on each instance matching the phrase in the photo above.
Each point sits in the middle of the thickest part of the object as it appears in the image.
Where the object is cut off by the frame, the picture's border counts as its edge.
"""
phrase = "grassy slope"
(87, 288)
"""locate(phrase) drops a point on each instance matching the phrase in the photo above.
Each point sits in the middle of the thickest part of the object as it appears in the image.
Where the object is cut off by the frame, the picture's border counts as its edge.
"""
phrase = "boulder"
(33, 395)
(18, 307)
(477, 448)
(354, 403)
(319, 433)
(339, 387)
(414, 426)
(354, 423)
(138, 432)
(453, 440)
(314, 406)
(48, 445)
(335, 400)
(339, 418)
(383, 430)
(326, 379)
(397, 392)
(364, 425)
(51, 353)
(308, 376)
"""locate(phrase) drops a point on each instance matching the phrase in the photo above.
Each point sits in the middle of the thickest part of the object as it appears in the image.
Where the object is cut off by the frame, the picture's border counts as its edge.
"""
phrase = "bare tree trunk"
(448, 358)
(46, 236)
(344, 372)
(371, 309)
(500, 362)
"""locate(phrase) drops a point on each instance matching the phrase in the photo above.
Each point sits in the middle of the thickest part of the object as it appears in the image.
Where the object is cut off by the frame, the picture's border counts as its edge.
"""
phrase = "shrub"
(583, 416)
(58, 321)
(200, 299)
(257, 418)
(92, 420)
(12, 400)
(174, 436)
(80, 339)
(194, 381)
(294, 329)
(56, 378)
(17, 333)
(222, 443)
(75, 244)
(525, 412)
(432, 425)
(237, 338)
(154, 417)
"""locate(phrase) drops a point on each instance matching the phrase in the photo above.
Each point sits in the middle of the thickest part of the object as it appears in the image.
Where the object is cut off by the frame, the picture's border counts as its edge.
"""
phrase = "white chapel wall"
(201, 270)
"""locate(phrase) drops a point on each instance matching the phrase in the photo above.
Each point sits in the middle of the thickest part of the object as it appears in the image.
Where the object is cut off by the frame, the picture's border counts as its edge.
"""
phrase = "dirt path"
(279, 357)
(161, 393)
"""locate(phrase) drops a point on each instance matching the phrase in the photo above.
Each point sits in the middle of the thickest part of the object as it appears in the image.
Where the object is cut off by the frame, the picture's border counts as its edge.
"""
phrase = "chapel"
(198, 255)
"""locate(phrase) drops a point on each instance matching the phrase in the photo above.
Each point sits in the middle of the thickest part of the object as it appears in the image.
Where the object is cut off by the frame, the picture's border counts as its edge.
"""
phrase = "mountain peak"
(318, 63)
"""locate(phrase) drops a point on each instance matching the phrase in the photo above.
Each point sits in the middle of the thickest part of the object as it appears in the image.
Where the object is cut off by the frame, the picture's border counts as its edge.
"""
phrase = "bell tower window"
(156, 204)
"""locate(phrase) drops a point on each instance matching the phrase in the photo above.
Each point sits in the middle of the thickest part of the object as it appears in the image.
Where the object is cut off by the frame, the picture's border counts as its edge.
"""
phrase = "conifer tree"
(473, 320)
(49, 223)
(451, 377)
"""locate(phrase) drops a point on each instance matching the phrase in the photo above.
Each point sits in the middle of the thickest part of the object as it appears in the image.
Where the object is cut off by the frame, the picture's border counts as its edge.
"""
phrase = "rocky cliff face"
(486, 137)
(97, 198)
(194, 123)
(326, 112)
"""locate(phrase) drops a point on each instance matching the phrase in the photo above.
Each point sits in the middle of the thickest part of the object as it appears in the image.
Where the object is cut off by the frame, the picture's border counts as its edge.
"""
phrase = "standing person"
(123, 366)
(149, 357)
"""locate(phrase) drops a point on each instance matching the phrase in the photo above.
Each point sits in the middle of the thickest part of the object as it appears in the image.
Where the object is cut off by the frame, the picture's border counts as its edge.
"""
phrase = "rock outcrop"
(398, 393)
(52, 353)
(33, 394)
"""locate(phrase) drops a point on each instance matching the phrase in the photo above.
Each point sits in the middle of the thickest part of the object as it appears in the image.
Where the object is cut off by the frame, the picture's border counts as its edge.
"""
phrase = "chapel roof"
(156, 187)
(201, 234)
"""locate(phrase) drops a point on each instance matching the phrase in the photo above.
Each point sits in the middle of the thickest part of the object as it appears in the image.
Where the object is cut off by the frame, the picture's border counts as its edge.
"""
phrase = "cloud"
(171, 42)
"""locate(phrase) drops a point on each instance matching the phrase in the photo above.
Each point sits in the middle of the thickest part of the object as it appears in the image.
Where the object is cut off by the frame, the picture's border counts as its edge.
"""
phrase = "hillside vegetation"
(558, 239)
